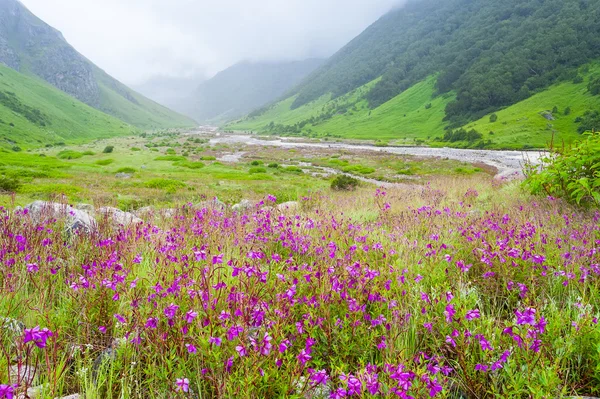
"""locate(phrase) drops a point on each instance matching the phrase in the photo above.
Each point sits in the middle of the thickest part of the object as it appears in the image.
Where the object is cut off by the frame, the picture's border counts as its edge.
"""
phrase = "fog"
(134, 40)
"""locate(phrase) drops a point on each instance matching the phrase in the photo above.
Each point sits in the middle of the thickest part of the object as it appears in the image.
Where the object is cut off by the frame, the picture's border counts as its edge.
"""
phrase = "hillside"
(172, 92)
(430, 66)
(34, 113)
(244, 87)
(32, 47)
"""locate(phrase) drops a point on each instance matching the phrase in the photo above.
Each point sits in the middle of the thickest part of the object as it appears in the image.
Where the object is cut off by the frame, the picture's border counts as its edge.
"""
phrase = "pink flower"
(37, 336)
(215, 340)
(183, 385)
(7, 391)
(190, 316)
(473, 314)
(170, 311)
(191, 348)
(304, 357)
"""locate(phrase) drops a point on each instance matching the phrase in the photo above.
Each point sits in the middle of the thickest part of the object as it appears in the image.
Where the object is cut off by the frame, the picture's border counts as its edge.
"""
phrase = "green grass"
(417, 114)
(64, 119)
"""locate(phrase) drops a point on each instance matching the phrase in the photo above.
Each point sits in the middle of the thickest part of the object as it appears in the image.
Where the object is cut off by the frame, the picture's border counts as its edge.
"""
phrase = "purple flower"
(7, 391)
(473, 314)
(120, 318)
(304, 357)
(338, 394)
(216, 260)
(319, 377)
(354, 385)
(170, 311)
(526, 317)
(241, 350)
(190, 316)
(151, 323)
(37, 336)
(183, 385)
(215, 340)
(191, 348)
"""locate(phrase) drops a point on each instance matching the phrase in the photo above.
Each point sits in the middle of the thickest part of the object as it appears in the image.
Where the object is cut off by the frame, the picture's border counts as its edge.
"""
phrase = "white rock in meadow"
(243, 206)
(119, 217)
(78, 220)
(290, 206)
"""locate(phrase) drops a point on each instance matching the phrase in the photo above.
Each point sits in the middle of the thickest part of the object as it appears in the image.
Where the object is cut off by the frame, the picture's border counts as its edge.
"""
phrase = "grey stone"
(123, 175)
(24, 375)
(78, 220)
(11, 330)
(290, 206)
(214, 203)
(86, 208)
(243, 206)
(119, 217)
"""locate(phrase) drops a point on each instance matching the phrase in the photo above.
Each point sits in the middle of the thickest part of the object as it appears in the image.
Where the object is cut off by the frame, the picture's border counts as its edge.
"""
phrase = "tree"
(108, 149)
(493, 118)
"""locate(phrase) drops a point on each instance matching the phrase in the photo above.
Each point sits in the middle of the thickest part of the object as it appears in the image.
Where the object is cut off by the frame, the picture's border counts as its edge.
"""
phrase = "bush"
(69, 154)
(88, 153)
(168, 185)
(126, 170)
(17, 149)
(208, 158)
(573, 173)
(173, 158)
(273, 165)
(256, 163)
(104, 162)
(108, 149)
(9, 185)
(190, 165)
(567, 111)
(256, 170)
(136, 149)
(344, 183)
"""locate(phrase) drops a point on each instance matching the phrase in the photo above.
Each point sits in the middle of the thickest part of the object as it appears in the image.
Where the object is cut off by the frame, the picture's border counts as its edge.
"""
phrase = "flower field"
(444, 292)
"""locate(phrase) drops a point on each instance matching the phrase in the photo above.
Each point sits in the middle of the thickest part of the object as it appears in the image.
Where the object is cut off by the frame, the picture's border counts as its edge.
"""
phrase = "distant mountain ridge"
(30, 46)
(244, 87)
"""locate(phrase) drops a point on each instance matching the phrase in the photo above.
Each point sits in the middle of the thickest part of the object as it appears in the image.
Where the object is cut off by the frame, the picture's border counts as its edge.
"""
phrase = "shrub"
(17, 149)
(493, 118)
(171, 151)
(108, 149)
(360, 169)
(573, 173)
(168, 185)
(69, 154)
(256, 163)
(208, 158)
(88, 153)
(190, 165)
(136, 149)
(126, 170)
(293, 169)
(104, 162)
(344, 183)
(428, 106)
(9, 184)
(172, 158)
(273, 165)
(567, 111)
(255, 170)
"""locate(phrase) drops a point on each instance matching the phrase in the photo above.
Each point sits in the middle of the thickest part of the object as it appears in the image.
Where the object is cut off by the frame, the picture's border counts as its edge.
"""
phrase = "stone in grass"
(243, 206)
(214, 203)
(119, 217)
(312, 391)
(24, 374)
(11, 329)
(123, 175)
(78, 220)
(290, 206)
(86, 208)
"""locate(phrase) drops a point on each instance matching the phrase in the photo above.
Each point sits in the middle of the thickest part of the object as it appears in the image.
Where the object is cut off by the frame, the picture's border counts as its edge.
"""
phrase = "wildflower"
(32, 268)
(338, 394)
(473, 314)
(217, 259)
(354, 385)
(7, 391)
(215, 340)
(526, 317)
(37, 336)
(304, 357)
(151, 323)
(183, 385)
(319, 377)
(170, 311)
(191, 348)
(241, 350)
(481, 367)
(190, 316)
(102, 329)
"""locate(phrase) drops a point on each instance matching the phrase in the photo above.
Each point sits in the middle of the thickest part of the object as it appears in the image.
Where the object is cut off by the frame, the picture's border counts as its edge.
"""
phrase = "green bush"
(256, 163)
(69, 154)
(344, 183)
(172, 158)
(573, 173)
(255, 170)
(567, 111)
(208, 158)
(17, 149)
(126, 170)
(293, 169)
(168, 185)
(273, 165)
(88, 153)
(9, 185)
(493, 118)
(360, 169)
(136, 149)
(104, 162)
(190, 165)
(171, 151)
(108, 149)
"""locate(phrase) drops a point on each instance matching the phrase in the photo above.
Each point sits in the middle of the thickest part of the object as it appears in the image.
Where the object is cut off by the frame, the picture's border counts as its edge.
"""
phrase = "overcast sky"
(136, 39)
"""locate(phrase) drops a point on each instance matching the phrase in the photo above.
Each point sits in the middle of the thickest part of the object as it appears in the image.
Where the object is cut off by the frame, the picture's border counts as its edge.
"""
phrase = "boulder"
(147, 211)
(123, 175)
(25, 375)
(86, 208)
(78, 220)
(11, 330)
(119, 217)
(291, 206)
(214, 203)
(243, 206)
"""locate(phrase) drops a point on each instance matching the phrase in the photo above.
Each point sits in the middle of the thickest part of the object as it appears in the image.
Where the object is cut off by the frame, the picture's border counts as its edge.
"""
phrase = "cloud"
(136, 39)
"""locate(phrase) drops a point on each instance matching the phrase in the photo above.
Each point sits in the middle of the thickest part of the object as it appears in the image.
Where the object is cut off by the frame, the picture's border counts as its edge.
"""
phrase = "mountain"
(34, 113)
(32, 47)
(432, 67)
(172, 92)
(243, 87)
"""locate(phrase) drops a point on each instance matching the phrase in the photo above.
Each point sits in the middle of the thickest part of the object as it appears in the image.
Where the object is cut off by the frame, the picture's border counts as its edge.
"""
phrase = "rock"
(147, 211)
(74, 396)
(103, 361)
(33, 392)
(86, 208)
(243, 206)
(123, 175)
(119, 217)
(78, 220)
(24, 375)
(214, 203)
(290, 206)
(11, 329)
(548, 115)
(312, 392)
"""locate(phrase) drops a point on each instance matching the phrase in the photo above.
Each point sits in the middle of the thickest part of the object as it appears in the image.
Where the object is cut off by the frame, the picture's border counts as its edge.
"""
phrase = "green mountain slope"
(433, 65)
(30, 46)
(34, 113)
(244, 87)
(417, 115)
